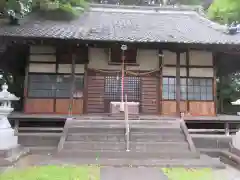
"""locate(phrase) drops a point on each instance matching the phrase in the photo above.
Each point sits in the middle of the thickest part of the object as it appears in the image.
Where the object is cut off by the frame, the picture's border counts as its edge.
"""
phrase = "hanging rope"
(141, 74)
(104, 71)
(127, 72)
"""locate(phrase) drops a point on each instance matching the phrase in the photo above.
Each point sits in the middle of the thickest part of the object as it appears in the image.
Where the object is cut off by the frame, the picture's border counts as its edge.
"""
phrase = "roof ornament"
(234, 28)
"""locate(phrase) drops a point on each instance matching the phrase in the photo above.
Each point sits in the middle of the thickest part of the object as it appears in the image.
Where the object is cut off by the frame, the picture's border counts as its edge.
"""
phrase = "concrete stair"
(151, 142)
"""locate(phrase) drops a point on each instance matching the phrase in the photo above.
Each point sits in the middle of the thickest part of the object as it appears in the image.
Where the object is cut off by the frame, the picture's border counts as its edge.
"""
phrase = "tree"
(224, 11)
(17, 9)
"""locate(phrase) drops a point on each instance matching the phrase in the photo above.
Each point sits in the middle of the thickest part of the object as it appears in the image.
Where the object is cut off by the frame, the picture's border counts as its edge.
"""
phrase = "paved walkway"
(125, 173)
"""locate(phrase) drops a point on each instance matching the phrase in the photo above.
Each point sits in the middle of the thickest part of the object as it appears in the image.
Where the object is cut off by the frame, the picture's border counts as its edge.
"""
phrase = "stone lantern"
(7, 138)
(10, 150)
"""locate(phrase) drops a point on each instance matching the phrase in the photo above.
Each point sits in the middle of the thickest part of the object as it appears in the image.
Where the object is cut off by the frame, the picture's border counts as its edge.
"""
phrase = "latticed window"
(200, 89)
(113, 88)
(169, 88)
(54, 86)
(195, 89)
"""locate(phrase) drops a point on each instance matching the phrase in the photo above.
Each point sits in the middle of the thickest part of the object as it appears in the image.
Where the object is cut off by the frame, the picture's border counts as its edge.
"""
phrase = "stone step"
(126, 155)
(103, 136)
(157, 138)
(96, 130)
(42, 149)
(184, 163)
(123, 126)
(134, 146)
(117, 123)
(96, 137)
(119, 130)
(156, 130)
(159, 146)
(120, 119)
(94, 145)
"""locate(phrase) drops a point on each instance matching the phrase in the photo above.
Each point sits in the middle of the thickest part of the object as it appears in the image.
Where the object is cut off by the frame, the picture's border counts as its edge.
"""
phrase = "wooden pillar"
(71, 104)
(85, 90)
(25, 90)
(215, 82)
(159, 89)
(178, 90)
(187, 69)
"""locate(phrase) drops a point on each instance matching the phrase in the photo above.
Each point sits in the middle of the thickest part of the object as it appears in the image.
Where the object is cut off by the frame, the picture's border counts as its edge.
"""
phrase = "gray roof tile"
(129, 25)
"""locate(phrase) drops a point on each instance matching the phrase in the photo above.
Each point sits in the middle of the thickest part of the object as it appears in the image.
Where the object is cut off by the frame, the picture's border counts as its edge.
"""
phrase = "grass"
(188, 174)
(53, 173)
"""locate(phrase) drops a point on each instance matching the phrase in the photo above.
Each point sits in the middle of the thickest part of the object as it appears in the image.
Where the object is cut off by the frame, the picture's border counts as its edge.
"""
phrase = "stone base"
(7, 139)
(9, 156)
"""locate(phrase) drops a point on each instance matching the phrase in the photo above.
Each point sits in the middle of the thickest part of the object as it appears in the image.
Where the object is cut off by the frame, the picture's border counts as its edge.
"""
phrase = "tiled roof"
(128, 24)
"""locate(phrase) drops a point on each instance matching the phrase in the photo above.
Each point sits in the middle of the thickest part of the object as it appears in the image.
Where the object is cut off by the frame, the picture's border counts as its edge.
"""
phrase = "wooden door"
(113, 89)
(95, 94)
(149, 95)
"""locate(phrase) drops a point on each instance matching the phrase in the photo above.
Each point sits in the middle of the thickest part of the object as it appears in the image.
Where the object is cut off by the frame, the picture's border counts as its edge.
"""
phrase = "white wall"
(196, 58)
(146, 59)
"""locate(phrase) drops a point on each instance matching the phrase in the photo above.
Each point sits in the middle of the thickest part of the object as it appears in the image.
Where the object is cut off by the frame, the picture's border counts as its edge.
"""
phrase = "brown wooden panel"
(62, 106)
(202, 108)
(169, 107)
(150, 93)
(39, 106)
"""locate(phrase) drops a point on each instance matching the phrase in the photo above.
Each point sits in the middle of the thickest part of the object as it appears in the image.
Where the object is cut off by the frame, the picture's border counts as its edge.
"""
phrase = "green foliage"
(18, 8)
(53, 173)
(61, 8)
(224, 11)
(229, 87)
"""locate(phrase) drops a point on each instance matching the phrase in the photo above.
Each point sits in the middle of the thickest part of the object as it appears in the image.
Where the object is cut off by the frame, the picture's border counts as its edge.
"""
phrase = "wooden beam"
(178, 89)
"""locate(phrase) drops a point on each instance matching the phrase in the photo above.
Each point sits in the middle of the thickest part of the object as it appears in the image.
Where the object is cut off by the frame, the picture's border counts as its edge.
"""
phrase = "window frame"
(54, 86)
(186, 92)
